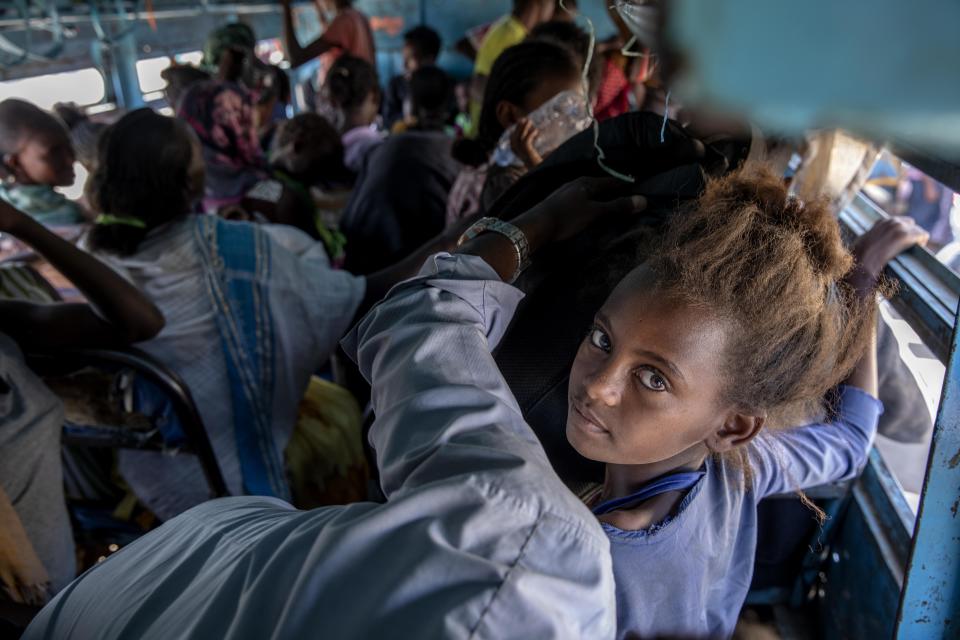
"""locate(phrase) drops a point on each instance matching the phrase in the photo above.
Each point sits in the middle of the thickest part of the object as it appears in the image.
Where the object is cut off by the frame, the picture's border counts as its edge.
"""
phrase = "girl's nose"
(603, 386)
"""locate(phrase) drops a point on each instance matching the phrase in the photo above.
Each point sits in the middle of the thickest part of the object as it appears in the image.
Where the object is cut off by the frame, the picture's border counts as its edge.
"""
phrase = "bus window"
(84, 87)
(149, 70)
(901, 189)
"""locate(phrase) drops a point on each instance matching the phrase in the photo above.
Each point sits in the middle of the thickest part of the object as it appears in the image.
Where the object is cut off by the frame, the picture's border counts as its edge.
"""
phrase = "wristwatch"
(510, 232)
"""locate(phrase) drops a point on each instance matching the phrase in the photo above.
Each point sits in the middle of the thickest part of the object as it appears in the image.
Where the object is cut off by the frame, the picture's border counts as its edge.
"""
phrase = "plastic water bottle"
(557, 120)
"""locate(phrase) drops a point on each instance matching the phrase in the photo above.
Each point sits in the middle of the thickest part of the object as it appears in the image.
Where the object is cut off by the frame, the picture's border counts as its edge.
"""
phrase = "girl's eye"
(652, 380)
(599, 339)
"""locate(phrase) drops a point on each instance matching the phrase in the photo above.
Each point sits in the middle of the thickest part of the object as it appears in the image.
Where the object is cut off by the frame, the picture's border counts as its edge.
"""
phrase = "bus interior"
(853, 104)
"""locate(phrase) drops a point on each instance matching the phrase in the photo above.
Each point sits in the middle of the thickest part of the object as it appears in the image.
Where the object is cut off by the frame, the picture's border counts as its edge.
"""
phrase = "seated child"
(353, 96)
(306, 153)
(37, 556)
(37, 156)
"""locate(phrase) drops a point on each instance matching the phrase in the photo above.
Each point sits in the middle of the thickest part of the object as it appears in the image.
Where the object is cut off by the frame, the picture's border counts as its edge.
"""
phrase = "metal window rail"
(928, 292)
(928, 298)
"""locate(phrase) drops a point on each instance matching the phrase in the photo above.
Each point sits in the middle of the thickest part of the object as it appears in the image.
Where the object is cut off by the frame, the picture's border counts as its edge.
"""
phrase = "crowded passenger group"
(330, 280)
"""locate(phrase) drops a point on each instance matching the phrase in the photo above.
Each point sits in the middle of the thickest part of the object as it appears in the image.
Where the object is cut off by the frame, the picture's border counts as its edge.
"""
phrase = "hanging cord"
(585, 79)
(666, 116)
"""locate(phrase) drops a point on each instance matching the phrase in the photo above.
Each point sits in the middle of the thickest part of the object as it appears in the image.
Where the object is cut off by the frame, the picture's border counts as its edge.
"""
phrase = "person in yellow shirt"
(509, 30)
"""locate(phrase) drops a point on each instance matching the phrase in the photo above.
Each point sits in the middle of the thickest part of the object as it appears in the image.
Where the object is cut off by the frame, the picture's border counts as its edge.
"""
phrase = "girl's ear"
(737, 430)
(508, 113)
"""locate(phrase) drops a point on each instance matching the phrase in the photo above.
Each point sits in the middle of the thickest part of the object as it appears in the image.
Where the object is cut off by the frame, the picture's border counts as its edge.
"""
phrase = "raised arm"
(426, 349)
(296, 54)
(118, 312)
(808, 456)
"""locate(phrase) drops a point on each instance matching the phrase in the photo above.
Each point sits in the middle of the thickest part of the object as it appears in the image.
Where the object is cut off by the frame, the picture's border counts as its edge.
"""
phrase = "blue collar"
(680, 481)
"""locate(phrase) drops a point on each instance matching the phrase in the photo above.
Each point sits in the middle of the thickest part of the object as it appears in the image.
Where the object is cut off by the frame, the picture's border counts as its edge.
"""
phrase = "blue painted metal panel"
(930, 604)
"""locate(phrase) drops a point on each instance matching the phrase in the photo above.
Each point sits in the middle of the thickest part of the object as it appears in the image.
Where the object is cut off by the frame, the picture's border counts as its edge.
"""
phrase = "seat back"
(168, 392)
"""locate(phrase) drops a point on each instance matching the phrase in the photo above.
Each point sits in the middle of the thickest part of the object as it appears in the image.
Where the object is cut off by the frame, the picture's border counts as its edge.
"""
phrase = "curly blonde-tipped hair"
(775, 268)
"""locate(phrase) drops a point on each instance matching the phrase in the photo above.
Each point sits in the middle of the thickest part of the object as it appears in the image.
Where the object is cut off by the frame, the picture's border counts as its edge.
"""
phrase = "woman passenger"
(221, 115)
(252, 310)
(37, 556)
(37, 156)
(523, 79)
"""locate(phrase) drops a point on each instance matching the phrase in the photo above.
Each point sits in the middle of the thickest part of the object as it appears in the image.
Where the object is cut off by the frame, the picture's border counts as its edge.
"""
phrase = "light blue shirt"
(689, 576)
(478, 536)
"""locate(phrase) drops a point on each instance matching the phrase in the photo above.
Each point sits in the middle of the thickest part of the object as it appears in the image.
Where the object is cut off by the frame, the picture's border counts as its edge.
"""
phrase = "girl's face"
(646, 384)
(45, 157)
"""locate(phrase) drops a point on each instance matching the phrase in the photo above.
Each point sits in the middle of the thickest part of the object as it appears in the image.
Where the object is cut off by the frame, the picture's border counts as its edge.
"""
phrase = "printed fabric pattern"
(237, 260)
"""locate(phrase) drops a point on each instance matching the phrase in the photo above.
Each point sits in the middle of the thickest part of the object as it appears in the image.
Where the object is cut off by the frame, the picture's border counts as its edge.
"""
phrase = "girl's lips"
(590, 423)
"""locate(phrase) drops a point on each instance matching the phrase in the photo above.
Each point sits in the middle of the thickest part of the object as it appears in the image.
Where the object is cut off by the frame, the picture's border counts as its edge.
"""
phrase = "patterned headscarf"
(221, 114)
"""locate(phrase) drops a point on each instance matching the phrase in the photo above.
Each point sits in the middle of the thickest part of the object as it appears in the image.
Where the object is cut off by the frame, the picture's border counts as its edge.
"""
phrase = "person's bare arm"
(296, 54)
(873, 250)
(118, 312)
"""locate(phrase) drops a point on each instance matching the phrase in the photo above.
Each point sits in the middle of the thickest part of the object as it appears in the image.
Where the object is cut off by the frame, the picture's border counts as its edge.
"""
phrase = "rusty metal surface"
(930, 603)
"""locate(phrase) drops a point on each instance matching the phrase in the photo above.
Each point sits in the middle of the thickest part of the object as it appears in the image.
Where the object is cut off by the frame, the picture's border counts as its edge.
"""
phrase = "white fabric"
(312, 306)
(478, 537)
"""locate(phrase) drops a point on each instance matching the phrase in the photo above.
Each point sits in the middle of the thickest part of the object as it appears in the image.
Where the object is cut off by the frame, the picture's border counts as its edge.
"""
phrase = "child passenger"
(252, 310)
(352, 95)
(306, 153)
(37, 156)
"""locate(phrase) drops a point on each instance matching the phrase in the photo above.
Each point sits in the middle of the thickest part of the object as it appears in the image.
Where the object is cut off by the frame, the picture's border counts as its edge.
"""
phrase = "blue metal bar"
(123, 71)
(930, 602)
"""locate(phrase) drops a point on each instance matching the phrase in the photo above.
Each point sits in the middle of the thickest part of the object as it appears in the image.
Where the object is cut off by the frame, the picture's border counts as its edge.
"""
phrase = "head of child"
(309, 149)
(353, 90)
(431, 91)
(35, 146)
(421, 48)
(523, 78)
(739, 320)
(149, 171)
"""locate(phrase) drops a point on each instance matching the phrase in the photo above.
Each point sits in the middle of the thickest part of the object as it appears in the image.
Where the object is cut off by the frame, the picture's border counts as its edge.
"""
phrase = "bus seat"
(156, 412)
